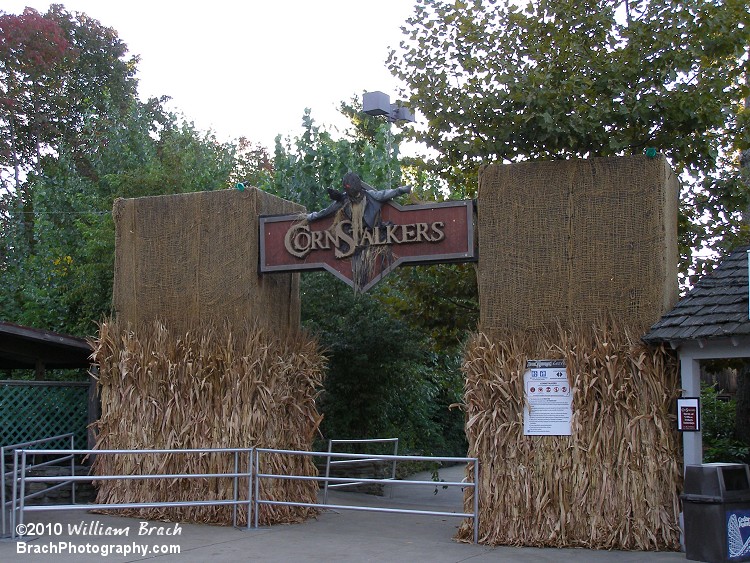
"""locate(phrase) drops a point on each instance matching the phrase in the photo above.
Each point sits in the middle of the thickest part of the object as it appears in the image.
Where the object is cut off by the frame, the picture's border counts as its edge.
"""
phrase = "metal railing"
(258, 500)
(330, 461)
(21, 480)
(6, 504)
(253, 475)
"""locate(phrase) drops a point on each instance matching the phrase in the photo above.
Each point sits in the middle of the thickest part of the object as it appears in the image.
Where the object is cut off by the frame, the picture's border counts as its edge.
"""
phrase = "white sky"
(250, 68)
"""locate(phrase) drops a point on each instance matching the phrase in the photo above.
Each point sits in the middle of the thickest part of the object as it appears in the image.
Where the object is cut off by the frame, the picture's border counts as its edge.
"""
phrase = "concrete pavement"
(336, 535)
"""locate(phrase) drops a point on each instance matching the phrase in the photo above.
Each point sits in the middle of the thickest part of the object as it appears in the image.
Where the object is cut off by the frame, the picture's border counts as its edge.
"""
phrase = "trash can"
(716, 512)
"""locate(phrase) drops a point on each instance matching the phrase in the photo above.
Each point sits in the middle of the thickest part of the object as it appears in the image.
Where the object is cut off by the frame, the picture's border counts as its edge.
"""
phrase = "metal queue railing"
(338, 462)
(21, 479)
(259, 500)
(6, 504)
(253, 474)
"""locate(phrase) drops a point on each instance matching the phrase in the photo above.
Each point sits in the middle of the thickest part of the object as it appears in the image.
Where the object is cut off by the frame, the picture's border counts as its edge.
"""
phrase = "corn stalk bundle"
(214, 387)
(614, 482)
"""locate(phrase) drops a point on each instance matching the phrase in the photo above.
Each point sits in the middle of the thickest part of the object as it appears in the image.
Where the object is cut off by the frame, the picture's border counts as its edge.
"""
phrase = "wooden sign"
(413, 234)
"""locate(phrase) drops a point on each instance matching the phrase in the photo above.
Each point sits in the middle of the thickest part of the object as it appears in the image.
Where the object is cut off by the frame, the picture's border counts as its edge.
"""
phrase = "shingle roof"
(717, 306)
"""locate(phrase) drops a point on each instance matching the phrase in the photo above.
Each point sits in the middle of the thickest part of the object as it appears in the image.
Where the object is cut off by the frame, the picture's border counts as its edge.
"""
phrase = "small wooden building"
(711, 322)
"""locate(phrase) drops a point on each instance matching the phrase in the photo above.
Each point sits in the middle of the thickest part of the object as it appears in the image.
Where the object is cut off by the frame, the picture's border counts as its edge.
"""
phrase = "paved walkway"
(336, 535)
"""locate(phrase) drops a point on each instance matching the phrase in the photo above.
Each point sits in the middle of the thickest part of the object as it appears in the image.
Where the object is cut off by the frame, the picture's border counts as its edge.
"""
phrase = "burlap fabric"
(188, 259)
(569, 240)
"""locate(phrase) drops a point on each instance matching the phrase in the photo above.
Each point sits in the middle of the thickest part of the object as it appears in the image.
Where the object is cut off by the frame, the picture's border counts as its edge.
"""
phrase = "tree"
(314, 161)
(379, 382)
(498, 81)
(57, 235)
(65, 283)
(32, 50)
(61, 73)
(720, 443)
(253, 166)
(440, 301)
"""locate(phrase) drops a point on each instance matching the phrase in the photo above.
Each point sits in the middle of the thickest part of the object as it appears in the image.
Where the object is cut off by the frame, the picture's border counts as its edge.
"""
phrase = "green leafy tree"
(57, 236)
(33, 50)
(314, 161)
(60, 74)
(501, 81)
(66, 283)
(381, 380)
(439, 300)
(253, 165)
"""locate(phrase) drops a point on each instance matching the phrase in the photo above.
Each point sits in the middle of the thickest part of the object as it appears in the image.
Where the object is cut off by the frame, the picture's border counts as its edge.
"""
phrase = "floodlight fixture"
(400, 112)
(378, 103)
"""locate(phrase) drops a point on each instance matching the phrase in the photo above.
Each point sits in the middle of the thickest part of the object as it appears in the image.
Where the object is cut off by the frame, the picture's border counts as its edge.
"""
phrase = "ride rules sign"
(548, 399)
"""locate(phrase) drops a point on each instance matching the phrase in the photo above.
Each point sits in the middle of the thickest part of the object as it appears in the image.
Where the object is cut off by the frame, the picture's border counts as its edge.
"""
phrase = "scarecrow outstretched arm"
(330, 210)
(386, 195)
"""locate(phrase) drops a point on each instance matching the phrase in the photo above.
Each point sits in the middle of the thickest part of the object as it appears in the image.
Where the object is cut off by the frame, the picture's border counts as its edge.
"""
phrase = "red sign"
(689, 416)
(416, 234)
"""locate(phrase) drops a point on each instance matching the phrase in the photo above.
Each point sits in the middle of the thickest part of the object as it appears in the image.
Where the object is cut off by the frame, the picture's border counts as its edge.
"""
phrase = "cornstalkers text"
(299, 240)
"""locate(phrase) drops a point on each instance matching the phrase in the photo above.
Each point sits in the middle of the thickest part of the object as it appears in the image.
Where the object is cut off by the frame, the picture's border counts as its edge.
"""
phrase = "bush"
(717, 422)
(383, 380)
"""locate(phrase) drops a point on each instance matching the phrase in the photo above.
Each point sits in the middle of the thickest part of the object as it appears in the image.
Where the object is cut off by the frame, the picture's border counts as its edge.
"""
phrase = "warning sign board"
(548, 399)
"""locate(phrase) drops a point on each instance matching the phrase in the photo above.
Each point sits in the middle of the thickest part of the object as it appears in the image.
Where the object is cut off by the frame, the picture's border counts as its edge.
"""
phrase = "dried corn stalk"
(612, 484)
(214, 387)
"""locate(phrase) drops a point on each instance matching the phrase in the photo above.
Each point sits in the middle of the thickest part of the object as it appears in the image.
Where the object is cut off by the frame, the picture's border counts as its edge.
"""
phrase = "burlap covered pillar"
(203, 352)
(187, 259)
(568, 240)
(576, 260)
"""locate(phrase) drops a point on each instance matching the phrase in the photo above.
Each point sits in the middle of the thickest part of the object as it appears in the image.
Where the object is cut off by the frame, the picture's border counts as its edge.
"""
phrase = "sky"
(250, 68)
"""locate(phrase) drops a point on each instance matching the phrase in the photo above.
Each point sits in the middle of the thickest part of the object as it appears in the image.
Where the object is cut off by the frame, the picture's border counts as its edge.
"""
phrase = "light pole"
(379, 104)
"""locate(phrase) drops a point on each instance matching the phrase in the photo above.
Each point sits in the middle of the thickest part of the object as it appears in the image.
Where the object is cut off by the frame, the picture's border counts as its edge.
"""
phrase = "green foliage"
(440, 301)
(502, 81)
(67, 280)
(60, 71)
(560, 79)
(382, 380)
(314, 161)
(57, 236)
(714, 214)
(252, 165)
(717, 423)
(32, 50)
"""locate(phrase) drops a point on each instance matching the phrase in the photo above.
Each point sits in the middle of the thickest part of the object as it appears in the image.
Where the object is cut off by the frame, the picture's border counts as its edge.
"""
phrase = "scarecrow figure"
(359, 202)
